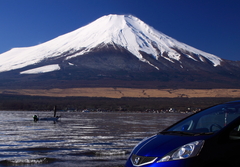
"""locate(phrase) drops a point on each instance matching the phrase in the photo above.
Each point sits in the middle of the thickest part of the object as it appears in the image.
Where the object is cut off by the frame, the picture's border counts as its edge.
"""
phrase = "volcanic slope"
(118, 51)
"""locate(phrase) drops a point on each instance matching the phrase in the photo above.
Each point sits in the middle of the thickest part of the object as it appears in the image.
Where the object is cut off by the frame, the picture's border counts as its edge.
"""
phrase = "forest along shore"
(126, 92)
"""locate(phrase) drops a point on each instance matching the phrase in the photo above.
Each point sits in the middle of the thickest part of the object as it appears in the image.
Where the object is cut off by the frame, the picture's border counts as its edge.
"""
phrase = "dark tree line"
(19, 102)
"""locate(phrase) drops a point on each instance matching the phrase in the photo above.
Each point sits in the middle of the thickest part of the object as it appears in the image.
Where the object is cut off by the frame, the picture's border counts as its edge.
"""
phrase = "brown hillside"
(126, 92)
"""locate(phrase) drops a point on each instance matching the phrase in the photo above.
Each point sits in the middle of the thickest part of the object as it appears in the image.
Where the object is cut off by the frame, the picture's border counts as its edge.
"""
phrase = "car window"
(184, 126)
(235, 133)
(209, 120)
(212, 122)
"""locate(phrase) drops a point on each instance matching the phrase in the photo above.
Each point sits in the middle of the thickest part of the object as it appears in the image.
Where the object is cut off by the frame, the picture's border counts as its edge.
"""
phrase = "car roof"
(233, 102)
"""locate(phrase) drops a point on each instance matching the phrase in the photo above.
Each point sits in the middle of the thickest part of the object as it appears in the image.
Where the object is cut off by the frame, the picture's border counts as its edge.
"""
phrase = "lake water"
(77, 139)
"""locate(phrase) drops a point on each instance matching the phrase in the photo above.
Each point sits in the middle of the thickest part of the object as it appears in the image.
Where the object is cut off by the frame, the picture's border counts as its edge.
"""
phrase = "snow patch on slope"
(43, 69)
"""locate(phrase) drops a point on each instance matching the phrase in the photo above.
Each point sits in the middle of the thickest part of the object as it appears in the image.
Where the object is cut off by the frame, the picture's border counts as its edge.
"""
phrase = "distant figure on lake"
(54, 118)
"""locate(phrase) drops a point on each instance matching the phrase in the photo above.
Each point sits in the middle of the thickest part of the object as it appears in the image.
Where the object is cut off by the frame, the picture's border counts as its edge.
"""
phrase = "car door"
(229, 146)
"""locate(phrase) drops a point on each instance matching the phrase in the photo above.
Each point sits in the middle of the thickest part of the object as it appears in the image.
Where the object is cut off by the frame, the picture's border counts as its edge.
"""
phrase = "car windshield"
(206, 122)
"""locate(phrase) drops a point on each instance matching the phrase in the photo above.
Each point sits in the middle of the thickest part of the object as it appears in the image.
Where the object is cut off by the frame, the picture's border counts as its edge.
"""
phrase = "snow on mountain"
(124, 30)
(43, 69)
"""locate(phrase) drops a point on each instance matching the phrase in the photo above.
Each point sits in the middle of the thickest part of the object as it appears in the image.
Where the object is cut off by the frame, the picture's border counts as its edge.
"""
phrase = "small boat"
(50, 118)
(54, 118)
(86, 110)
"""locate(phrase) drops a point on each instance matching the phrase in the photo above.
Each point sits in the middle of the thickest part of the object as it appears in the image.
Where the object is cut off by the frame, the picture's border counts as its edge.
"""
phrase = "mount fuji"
(115, 50)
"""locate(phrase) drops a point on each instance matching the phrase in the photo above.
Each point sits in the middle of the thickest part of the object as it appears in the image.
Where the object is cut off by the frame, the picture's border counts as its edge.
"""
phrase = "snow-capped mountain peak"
(126, 31)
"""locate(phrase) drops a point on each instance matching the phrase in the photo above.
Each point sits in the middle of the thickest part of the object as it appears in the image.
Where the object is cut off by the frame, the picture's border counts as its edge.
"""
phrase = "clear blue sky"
(209, 25)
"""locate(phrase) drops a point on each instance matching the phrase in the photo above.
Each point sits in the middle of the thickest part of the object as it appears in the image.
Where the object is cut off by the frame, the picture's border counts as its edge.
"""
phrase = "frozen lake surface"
(78, 139)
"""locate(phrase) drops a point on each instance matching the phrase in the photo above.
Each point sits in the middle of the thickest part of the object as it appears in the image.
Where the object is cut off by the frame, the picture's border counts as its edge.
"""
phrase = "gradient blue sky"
(209, 25)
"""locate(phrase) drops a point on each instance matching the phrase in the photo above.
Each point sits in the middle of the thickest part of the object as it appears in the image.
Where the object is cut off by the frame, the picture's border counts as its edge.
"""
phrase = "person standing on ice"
(55, 111)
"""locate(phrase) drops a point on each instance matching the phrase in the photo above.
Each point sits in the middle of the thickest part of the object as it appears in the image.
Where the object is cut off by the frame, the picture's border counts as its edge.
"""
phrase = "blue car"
(209, 138)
